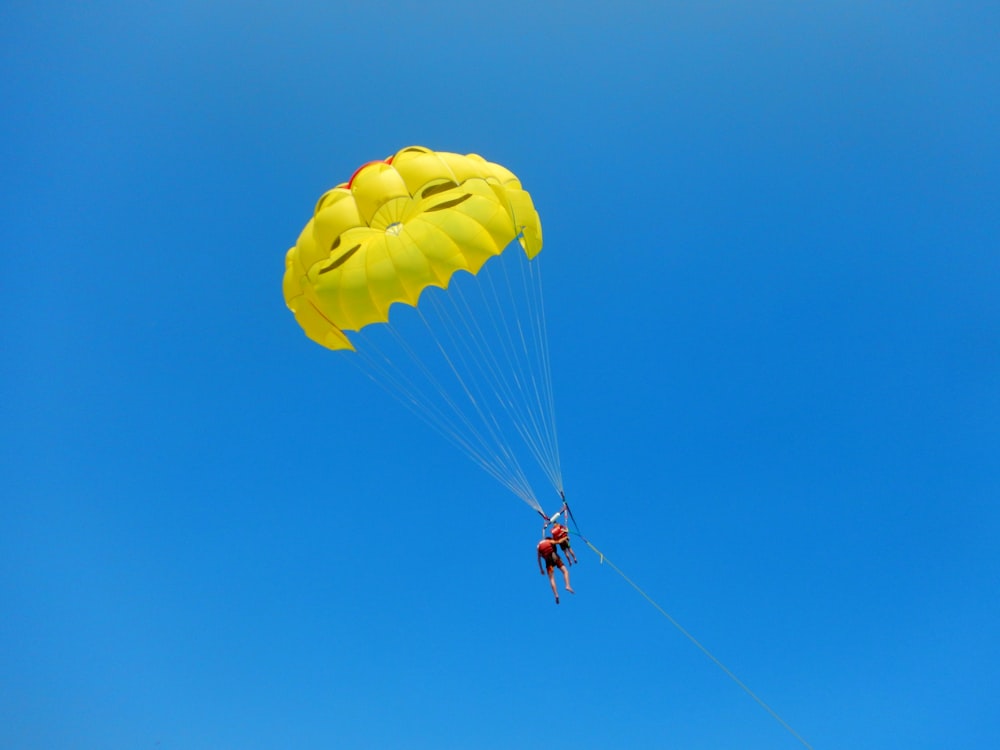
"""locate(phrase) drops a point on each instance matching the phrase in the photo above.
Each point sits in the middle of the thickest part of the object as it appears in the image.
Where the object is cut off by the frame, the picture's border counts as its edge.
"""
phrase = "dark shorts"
(553, 561)
(564, 545)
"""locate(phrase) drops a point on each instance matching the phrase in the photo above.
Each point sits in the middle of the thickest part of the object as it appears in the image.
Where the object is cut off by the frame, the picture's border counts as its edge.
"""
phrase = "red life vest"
(546, 547)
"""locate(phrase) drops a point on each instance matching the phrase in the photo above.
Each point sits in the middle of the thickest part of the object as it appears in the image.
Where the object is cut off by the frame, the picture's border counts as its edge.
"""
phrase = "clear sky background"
(771, 264)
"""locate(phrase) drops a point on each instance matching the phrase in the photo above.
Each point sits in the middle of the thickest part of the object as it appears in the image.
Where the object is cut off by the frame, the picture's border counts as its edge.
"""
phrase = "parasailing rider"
(560, 535)
(548, 550)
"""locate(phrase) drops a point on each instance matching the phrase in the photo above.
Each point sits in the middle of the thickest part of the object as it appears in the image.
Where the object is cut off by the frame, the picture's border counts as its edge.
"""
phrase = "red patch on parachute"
(365, 166)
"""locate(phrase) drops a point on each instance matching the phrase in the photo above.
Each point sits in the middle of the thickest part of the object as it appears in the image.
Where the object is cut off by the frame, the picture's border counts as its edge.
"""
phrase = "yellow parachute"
(468, 352)
(397, 227)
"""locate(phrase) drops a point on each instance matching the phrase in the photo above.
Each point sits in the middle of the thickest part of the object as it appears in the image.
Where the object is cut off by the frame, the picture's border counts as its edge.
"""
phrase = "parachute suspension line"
(442, 392)
(543, 337)
(508, 377)
(391, 378)
(389, 375)
(537, 437)
(536, 302)
(486, 417)
(695, 641)
(483, 356)
(410, 393)
(504, 391)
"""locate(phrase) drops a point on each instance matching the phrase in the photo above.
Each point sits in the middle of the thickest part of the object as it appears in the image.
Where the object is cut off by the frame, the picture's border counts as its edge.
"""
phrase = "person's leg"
(565, 570)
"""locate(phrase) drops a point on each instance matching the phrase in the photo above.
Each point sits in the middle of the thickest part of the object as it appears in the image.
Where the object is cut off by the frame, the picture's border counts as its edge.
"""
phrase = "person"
(548, 550)
(560, 535)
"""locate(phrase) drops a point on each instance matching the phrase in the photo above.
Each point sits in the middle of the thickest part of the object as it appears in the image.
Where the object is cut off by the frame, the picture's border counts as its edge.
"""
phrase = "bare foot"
(570, 590)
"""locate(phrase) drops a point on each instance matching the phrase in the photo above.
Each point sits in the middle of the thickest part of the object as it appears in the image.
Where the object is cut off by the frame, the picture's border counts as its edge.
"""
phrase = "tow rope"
(672, 621)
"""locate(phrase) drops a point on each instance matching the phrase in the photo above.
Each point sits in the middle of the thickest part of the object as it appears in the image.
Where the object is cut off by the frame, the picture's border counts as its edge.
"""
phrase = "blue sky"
(771, 278)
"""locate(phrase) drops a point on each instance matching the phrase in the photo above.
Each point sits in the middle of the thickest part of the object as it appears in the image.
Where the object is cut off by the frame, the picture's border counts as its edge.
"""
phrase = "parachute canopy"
(467, 352)
(394, 229)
